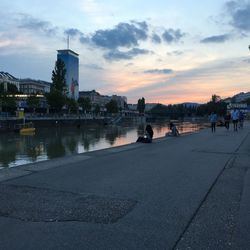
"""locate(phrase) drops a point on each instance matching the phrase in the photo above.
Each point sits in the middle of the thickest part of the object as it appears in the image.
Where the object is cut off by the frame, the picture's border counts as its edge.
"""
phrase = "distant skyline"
(165, 51)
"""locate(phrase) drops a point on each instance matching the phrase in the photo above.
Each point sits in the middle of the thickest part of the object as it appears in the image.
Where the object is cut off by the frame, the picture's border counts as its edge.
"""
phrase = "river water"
(49, 143)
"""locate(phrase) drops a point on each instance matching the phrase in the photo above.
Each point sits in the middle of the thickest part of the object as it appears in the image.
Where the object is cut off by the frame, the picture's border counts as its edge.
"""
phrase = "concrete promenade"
(190, 192)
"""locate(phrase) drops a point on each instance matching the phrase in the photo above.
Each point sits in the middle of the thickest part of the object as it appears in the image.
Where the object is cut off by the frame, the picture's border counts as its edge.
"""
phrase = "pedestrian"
(241, 119)
(235, 118)
(213, 120)
(227, 119)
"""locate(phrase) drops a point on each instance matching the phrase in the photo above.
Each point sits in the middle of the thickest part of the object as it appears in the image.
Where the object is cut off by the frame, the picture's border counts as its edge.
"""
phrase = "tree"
(72, 105)
(247, 101)
(55, 99)
(58, 76)
(215, 105)
(215, 98)
(84, 103)
(8, 102)
(141, 105)
(33, 102)
(1, 88)
(112, 106)
(97, 109)
(11, 88)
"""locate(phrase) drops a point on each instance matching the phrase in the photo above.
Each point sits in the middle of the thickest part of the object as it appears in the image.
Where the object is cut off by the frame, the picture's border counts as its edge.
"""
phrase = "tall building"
(71, 61)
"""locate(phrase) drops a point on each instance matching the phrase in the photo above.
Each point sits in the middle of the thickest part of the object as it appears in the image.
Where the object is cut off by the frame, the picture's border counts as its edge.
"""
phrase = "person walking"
(235, 118)
(213, 120)
(227, 119)
(241, 119)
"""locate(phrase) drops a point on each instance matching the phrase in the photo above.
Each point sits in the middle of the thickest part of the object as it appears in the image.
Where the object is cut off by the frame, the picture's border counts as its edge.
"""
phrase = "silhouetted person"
(147, 138)
(174, 130)
(149, 132)
(235, 118)
(227, 119)
(213, 120)
(241, 119)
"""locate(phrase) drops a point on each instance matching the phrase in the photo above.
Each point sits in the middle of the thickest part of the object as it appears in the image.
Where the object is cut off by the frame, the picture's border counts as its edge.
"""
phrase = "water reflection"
(49, 143)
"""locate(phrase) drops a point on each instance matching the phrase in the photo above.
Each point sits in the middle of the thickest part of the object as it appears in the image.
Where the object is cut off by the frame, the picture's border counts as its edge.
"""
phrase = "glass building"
(71, 61)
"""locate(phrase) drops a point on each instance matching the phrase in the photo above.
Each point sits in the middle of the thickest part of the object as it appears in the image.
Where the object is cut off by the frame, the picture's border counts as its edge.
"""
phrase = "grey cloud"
(123, 35)
(73, 32)
(143, 25)
(159, 71)
(129, 64)
(156, 38)
(84, 39)
(172, 35)
(239, 12)
(175, 53)
(34, 24)
(216, 39)
(117, 55)
(246, 61)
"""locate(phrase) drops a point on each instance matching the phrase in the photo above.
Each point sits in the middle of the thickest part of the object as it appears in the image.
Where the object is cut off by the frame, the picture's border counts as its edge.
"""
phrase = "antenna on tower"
(68, 42)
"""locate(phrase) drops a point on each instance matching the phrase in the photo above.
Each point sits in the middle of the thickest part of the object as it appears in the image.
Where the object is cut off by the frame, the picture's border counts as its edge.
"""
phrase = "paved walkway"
(190, 192)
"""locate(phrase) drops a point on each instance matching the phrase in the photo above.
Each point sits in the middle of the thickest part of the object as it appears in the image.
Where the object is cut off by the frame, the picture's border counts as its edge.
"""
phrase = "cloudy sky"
(167, 51)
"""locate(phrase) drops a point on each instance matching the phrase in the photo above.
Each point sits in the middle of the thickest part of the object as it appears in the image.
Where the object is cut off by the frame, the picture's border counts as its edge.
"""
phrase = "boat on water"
(25, 128)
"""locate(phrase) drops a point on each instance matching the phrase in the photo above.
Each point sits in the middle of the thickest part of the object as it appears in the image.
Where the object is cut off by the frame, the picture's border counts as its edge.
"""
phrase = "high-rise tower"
(71, 61)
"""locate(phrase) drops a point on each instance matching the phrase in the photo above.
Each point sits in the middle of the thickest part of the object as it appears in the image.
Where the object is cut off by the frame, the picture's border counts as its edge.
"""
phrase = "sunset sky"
(167, 51)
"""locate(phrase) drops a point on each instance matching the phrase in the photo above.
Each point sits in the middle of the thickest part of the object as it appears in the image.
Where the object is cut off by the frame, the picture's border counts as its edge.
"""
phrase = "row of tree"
(180, 110)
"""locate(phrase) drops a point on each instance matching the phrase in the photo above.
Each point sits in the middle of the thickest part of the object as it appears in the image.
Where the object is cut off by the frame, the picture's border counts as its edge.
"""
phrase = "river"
(49, 143)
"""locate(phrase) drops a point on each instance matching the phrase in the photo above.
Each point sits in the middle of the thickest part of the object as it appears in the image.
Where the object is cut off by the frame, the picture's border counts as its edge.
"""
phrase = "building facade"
(6, 78)
(30, 86)
(241, 97)
(71, 61)
(102, 100)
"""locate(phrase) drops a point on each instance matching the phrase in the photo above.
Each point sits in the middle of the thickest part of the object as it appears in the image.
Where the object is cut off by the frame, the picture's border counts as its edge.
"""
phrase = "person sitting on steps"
(173, 129)
(147, 138)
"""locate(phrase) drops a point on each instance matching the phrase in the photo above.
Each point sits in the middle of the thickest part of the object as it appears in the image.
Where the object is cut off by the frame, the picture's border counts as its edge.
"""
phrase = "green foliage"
(141, 105)
(247, 101)
(11, 88)
(215, 98)
(219, 107)
(173, 111)
(97, 109)
(180, 110)
(112, 107)
(84, 103)
(56, 99)
(58, 76)
(72, 105)
(1, 88)
(7, 103)
(33, 101)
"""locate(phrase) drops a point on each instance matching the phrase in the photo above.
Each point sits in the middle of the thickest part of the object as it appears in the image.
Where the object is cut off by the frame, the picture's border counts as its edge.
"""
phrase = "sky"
(167, 51)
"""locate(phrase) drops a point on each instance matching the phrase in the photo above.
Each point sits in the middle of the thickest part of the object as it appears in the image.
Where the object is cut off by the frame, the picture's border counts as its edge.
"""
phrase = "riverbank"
(176, 193)
(58, 141)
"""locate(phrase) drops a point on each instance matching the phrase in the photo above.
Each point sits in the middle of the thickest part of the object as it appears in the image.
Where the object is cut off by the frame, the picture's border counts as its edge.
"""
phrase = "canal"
(49, 143)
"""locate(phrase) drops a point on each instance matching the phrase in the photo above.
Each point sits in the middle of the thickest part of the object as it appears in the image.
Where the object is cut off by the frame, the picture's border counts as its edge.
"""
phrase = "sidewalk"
(190, 192)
